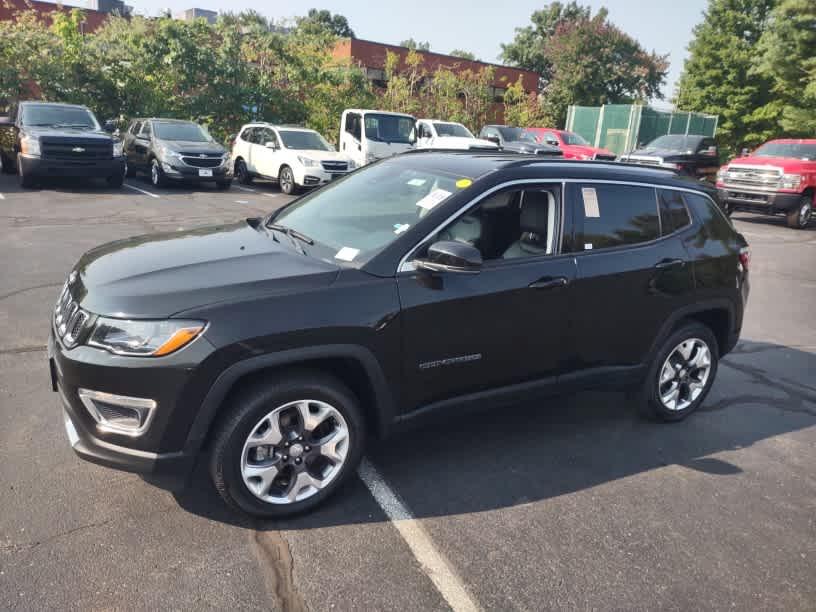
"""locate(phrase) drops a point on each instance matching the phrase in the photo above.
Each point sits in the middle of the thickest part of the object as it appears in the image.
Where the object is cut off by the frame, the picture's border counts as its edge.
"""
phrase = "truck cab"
(369, 135)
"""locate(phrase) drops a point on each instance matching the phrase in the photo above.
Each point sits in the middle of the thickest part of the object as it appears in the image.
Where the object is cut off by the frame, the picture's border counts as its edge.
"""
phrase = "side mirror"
(6, 121)
(744, 152)
(271, 145)
(110, 126)
(451, 256)
(494, 139)
(710, 151)
(553, 143)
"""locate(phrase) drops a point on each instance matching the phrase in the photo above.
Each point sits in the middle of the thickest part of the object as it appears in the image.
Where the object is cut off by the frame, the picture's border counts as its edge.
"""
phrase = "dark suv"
(420, 284)
(175, 150)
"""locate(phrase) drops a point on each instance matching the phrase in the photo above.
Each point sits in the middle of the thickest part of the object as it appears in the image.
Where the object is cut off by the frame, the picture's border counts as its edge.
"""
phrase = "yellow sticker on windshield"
(462, 183)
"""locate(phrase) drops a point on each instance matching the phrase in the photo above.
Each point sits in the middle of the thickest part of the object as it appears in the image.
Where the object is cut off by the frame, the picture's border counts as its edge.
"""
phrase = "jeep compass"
(271, 348)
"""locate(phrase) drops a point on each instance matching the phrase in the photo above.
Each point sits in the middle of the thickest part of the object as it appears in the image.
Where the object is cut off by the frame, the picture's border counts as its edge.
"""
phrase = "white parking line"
(152, 195)
(2, 197)
(433, 563)
(271, 195)
(244, 188)
(241, 202)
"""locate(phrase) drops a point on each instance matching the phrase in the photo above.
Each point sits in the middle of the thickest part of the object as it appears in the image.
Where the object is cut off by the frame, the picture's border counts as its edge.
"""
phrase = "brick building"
(371, 57)
(94, 16)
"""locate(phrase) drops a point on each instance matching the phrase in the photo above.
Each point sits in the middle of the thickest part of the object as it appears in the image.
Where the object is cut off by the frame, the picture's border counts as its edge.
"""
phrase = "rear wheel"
(799, 217)
(287, 444)
(681, 375)
(242, 172)
(286, 179)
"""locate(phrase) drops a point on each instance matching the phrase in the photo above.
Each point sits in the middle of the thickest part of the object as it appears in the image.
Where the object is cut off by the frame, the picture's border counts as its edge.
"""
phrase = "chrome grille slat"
(760, 178)
(69, 318)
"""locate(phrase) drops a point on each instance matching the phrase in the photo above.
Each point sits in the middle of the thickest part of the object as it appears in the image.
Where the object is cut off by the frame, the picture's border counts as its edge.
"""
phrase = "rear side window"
(715, 223)
(134, 129)
(608, 215)
(673, 212)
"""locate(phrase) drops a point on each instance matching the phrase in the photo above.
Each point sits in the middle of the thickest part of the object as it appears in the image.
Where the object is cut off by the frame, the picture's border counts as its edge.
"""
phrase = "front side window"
(673, 212)
(145, 133)
(266, 135)
(190, 132)
(50, 115)
(608, 215)
(353, 125)
(571, 138)
(303, 140)
(134, 129)
(508, 225)
(388, 128)
(357, 217)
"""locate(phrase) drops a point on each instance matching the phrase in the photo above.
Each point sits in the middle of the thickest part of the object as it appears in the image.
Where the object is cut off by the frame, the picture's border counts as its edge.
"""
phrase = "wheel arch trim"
(722, 304)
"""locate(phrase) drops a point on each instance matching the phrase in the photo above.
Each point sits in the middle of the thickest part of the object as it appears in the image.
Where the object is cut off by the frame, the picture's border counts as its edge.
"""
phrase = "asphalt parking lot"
(575, 503)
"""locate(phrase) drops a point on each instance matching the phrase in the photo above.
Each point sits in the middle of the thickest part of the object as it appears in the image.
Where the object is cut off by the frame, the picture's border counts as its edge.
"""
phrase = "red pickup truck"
(779, 177)
(570, 143)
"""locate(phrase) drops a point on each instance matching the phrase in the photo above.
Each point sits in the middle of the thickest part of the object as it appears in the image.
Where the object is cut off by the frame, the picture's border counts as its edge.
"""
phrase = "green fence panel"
(583, 120)
(614, 132)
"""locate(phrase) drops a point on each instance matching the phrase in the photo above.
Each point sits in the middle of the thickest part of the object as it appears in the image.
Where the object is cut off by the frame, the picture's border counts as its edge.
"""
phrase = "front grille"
(645, 161)
(203, 162)
(756, 198)
(335, 166)
(69, 319)
(758, 178)
(70, 149)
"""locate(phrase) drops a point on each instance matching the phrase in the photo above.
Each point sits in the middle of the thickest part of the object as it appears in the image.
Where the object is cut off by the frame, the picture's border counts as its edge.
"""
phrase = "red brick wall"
(9, 9)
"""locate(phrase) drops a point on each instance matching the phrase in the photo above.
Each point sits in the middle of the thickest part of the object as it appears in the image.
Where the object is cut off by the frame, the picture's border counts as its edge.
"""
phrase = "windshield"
(573, 139)
(388, 128)
(172, 130)
(452, 129)
(357, 217)
(302, 140)
(793, 150)
(675, 142)
(51, 115)
(514, 133)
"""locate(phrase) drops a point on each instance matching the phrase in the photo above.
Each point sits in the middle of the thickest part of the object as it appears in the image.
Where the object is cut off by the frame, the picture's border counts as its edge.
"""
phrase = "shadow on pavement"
(539, 451)
(770, 220)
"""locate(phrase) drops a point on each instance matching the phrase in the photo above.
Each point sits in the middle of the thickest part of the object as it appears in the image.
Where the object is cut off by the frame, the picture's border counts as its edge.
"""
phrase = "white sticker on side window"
(433, 198)
(590, 197)
(587, 246)
(346, 254)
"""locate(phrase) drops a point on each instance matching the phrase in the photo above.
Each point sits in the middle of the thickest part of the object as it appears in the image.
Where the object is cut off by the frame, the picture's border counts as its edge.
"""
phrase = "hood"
(664, 153)
(158, 275)
(319, 155)
(48, 132)
(187, 146)
(586, 150)
(521, 146)
(461, 142)
(787, 164)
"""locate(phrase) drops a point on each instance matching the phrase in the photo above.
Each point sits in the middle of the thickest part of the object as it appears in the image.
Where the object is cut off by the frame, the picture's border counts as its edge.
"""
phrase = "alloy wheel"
(154, 174)
(294, 451)
(286, 180)
(805, 212)
(684, 374)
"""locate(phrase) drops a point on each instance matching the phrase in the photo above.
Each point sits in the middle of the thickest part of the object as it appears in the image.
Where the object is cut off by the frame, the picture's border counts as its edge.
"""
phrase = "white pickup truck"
(435, 134)
(369, 135)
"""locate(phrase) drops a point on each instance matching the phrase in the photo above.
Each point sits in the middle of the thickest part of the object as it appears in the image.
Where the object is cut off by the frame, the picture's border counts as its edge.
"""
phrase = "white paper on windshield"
(590, 202)
(347, 254)
(433, 198)
(399, 228)
(416, 182)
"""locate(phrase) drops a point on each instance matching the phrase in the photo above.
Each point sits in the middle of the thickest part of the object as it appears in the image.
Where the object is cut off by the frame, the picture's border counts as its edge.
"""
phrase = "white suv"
(435, 134)
(295, 157)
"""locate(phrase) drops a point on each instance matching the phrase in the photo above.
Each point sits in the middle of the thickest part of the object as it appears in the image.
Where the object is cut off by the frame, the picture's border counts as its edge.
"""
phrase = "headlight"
(144, 338)
(30, 146)
(722, 173)
(307, 161)
(351, 164)
(790, 181)
(370, 158)
(169, 154)
(117, 149)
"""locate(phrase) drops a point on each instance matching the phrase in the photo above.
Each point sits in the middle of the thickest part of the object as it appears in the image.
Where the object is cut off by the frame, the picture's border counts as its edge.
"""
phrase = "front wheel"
(7, 164)
(242, 172)
(286, 179)
(157, 178)
(681, 374)
(117, 180)
(223, 185)
(287, 444)
(130, 170)
(799, 217)
(25, 180)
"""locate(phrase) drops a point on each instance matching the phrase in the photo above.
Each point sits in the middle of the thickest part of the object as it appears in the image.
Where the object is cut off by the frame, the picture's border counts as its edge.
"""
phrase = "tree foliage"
(223, 75)
(787, 52)
(316, 21)
(463, 54)
(719, 75)
(584, 59)
(415, 46)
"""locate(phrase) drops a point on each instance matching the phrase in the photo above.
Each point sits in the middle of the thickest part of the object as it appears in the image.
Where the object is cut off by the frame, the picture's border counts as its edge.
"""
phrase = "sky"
(473, 25)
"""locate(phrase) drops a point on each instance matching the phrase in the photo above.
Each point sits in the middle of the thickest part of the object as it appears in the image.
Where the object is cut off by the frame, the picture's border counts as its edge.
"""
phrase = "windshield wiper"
(72, 125)
(292, 235)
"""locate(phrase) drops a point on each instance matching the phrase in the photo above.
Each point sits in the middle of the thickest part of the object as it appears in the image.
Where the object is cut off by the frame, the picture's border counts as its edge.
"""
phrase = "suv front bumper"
(85, 168)
(758, 201)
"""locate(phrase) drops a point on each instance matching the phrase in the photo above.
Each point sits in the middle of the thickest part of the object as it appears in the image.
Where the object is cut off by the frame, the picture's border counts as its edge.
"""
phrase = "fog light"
(120, 414)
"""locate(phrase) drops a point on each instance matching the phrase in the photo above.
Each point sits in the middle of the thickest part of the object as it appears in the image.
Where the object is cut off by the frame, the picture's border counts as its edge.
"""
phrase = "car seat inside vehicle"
(536, 222)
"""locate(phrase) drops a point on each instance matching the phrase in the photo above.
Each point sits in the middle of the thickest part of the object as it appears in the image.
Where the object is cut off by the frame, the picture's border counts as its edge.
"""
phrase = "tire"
(242, 172)
(282, 400)
(286, 180)
(157, 178)
(25, 180)
(224, 185)
(117, 180)
(130, 170)
(799, 217)
(8, 165)
(692, 337)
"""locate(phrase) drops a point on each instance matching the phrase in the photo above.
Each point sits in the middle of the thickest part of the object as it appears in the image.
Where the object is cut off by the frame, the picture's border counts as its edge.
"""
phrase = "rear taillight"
(745, 256)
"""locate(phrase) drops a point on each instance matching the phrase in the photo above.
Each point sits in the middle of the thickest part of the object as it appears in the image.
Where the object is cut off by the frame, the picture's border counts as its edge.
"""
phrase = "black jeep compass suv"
(272, 348)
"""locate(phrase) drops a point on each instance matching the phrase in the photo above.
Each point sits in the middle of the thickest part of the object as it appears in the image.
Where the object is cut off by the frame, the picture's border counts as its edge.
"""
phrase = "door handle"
(549, 283)
(669, 263)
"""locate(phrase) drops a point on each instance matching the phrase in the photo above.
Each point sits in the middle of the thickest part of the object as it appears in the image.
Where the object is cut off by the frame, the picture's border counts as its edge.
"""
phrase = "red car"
(573, 145)
(779, 177)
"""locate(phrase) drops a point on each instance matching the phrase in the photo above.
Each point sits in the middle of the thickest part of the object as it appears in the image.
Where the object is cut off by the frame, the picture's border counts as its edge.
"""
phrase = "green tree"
(718, 77)
(584, 59)
(416, 46)
(522, 108)
(463, 54)
(316, 20)
(787, 50)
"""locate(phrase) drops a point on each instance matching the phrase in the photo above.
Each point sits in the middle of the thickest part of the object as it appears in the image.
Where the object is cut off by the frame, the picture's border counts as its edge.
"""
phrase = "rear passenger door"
(633, 270)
